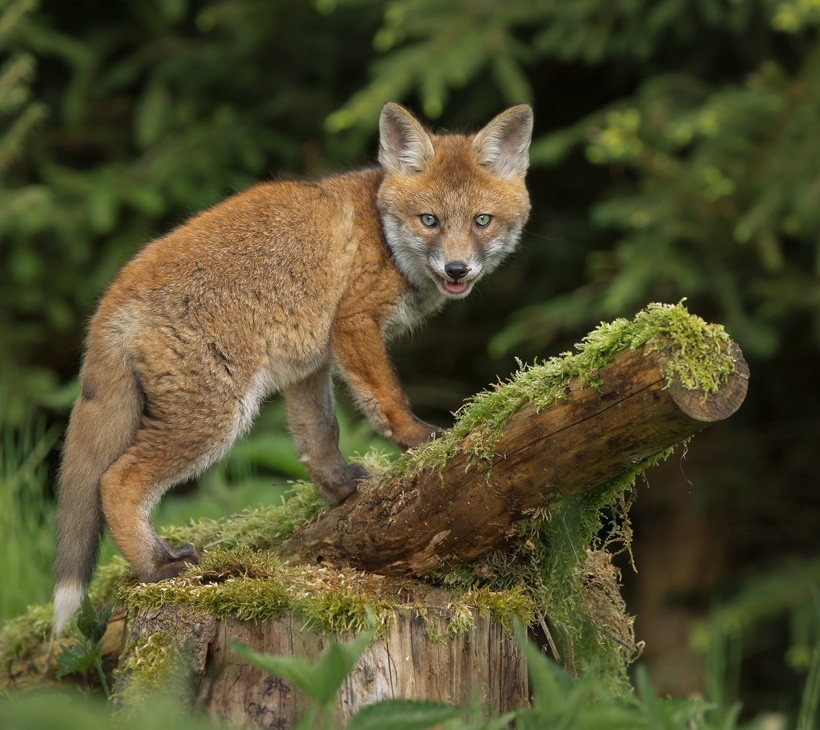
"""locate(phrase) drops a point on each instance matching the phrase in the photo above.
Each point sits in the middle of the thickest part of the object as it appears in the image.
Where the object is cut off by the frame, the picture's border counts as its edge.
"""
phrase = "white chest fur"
(413, 308)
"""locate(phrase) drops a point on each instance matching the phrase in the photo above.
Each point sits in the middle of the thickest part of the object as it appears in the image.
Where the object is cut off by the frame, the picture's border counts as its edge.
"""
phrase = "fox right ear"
(404, 146)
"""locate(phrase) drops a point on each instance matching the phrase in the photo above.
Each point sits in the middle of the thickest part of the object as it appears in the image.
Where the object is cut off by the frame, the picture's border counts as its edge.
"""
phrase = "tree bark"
(485, 663)
(431, 520)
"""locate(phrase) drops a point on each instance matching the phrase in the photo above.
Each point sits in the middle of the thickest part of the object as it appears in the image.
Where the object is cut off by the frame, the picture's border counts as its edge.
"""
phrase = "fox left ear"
(503, 146)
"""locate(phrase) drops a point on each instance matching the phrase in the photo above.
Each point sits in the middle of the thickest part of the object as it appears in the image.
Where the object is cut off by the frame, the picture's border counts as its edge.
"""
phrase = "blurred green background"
(676, 154)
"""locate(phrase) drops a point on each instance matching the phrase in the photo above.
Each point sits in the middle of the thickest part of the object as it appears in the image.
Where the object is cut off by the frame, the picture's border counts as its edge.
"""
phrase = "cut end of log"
(711, 408)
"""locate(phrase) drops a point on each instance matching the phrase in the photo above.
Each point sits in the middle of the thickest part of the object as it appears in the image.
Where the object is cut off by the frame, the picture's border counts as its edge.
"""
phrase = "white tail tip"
(67, 599)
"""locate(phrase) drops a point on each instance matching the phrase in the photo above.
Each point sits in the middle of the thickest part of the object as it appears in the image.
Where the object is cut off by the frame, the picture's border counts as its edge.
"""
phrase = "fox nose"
(456, 270)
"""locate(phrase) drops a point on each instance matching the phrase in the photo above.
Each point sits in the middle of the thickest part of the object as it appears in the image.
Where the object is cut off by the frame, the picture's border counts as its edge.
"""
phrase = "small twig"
(626, 645)
(550, 641)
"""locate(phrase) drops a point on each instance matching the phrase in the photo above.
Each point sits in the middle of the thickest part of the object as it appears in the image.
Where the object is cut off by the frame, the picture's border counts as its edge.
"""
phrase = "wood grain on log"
(485, 663)
(436, 519)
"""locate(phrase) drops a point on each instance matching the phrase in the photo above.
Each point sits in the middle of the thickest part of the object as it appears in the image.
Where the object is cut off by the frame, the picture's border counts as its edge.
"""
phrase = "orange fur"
(265, 292)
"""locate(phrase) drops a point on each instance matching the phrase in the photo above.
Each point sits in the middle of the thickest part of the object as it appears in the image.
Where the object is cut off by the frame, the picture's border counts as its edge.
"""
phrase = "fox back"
(267, 292)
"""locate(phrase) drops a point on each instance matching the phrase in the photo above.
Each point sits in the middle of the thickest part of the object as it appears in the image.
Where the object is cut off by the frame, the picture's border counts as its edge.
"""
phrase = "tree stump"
(414, 659)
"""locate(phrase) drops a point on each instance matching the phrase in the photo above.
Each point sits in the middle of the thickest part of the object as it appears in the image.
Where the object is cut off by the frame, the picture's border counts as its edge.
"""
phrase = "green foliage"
(86, 650)
(432, 47)
(26, 545)
(321, 680)
(403, 715)
(791, 589)
(53, 711)
(740, 622)
(810, 707)
(19, 113)
(561, 701)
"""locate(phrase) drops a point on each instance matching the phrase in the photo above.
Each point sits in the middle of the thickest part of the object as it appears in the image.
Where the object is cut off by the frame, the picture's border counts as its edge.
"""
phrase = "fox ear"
(503, 146)
(404, 146)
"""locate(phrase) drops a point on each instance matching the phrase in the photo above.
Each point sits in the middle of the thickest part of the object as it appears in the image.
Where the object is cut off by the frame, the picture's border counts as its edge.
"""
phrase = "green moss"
(151, 667)
(503, 606)
(257, 527)
(254, 585)
(698, 357)
(344, 610)
(148, 662)
(22, 635)
(460, 621)
(244, 584)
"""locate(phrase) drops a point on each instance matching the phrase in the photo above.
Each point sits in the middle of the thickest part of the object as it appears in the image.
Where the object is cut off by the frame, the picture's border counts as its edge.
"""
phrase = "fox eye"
(482, 220)
(429, 220)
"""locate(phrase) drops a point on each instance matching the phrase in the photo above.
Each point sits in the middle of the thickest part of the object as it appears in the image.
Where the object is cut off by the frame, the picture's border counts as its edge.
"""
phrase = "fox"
(276, 289)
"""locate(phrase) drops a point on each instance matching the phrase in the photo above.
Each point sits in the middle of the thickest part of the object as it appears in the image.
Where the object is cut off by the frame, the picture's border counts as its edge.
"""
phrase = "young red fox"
(263, 293)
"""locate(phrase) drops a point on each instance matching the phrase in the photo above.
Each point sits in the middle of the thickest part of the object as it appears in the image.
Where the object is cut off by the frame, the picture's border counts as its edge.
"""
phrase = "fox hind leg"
(163, 454)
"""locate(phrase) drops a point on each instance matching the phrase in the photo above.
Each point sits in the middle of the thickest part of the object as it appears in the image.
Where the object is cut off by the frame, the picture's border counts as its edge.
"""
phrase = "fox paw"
(420, 432)
(184, 552)
(173, 562)
(340, 489)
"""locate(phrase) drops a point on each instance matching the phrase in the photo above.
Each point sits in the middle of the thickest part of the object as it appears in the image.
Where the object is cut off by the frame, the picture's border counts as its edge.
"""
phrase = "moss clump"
(254, 585)
(245, 584)
(150, 662)
(258, 527)
(153, 667)
(22, 635)
(504, 607)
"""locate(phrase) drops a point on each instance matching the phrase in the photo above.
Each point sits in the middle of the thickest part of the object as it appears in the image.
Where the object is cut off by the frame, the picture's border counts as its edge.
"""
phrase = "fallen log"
(433, 516)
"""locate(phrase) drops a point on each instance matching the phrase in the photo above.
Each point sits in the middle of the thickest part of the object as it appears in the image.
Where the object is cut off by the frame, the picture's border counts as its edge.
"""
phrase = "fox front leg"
(361, 357)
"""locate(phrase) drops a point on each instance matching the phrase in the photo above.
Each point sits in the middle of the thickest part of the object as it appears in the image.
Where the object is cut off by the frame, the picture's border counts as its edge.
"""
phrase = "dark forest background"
(676, 155)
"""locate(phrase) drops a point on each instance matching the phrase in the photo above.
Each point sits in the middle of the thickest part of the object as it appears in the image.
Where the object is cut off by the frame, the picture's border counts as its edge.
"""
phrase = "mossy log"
(441, 515)
(283, 578)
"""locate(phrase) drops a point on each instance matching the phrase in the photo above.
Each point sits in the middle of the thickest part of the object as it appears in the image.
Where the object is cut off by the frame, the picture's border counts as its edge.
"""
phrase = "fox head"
(453, 205)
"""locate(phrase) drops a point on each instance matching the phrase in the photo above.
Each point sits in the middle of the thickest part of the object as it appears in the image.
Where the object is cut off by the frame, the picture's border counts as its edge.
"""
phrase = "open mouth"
(454, 288)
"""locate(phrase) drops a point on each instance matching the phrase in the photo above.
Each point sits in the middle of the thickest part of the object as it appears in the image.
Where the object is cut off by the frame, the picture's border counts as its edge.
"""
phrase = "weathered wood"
(485, 662)
(436, 519)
